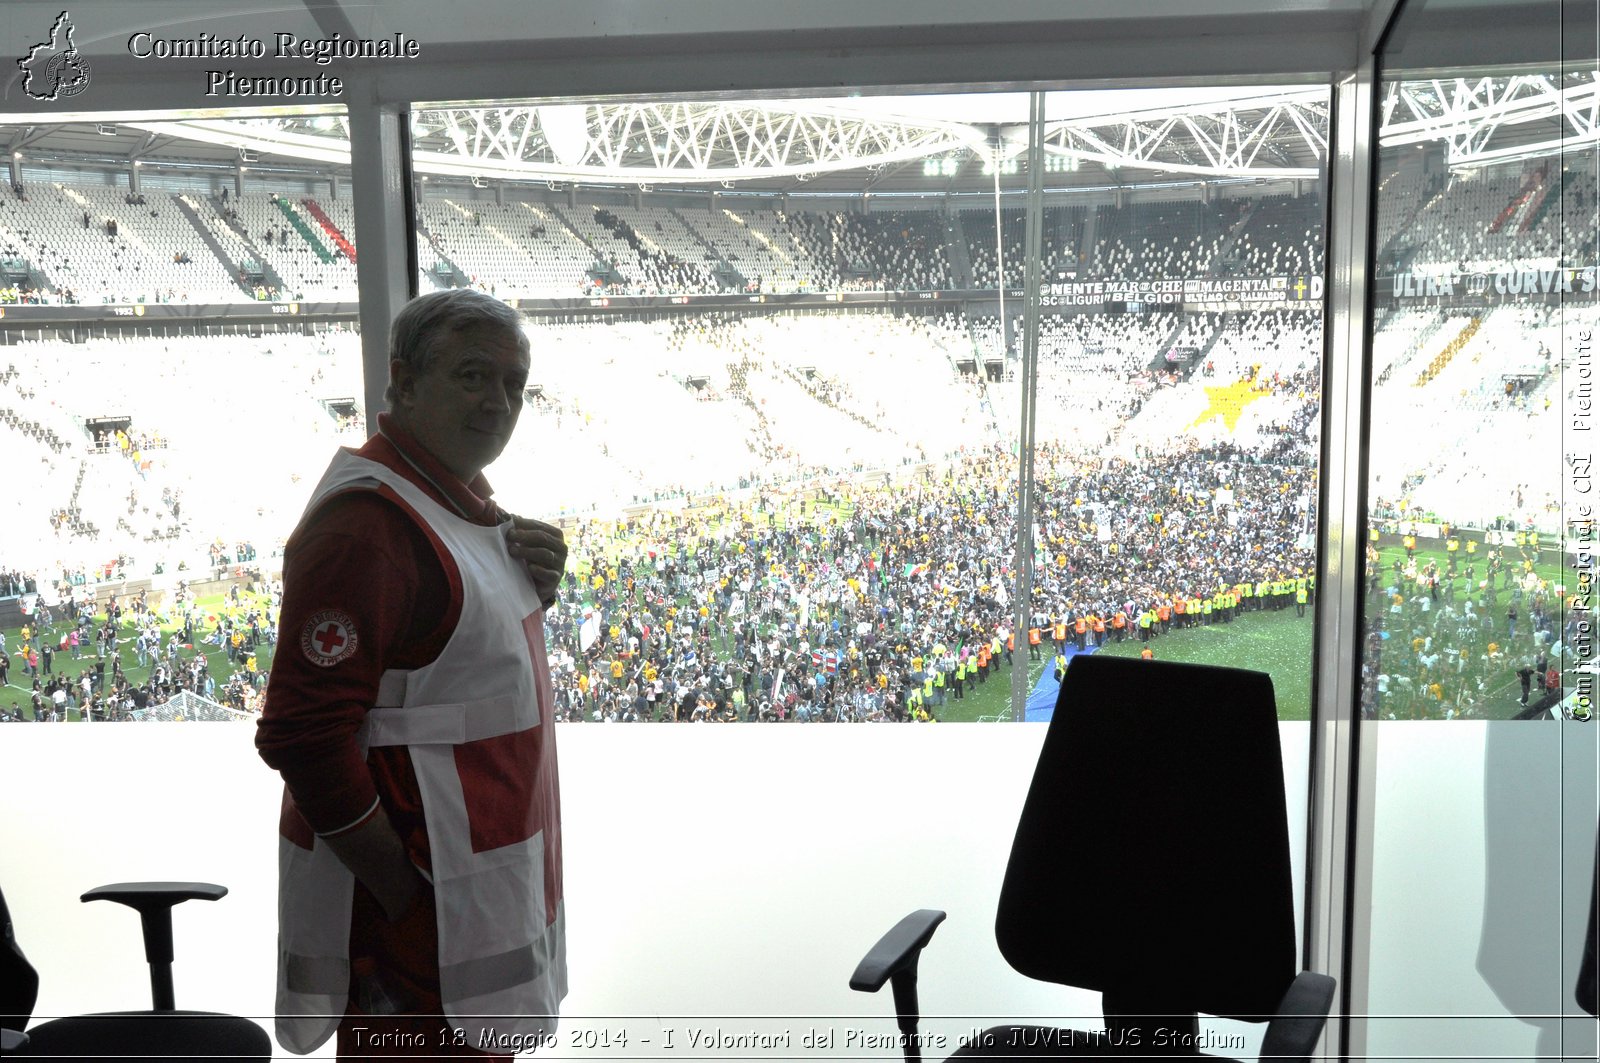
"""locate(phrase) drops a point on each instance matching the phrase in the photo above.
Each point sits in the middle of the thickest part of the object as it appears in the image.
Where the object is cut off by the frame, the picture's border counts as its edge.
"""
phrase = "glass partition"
(1478, 756)
(178, 353)
(781, 351)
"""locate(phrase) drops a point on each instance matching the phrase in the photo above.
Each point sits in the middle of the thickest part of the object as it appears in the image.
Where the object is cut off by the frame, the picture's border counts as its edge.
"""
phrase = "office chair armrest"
(1293, 1032)
(12, 1041)
(896, 951)
(894, 959)
(164, 894)
(154, 902)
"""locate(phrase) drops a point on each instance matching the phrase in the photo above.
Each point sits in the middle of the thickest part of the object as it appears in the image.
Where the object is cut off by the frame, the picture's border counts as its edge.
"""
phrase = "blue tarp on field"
(1042, 701)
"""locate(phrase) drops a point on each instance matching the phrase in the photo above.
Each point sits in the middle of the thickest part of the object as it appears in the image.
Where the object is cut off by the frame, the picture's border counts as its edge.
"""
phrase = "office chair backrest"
(19, 982)
(1588, 992)
(1151, 860)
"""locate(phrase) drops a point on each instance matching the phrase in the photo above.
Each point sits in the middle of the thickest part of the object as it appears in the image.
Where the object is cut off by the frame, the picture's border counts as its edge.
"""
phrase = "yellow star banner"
(1229, 402)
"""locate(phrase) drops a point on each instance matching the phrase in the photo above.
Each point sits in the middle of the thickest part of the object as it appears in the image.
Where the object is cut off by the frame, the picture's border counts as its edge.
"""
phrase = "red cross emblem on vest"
(328, 638)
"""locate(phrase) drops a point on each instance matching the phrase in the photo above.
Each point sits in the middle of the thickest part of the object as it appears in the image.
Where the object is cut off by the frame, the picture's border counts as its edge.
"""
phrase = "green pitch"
(16, 695)
(1501, 701)
(1278, 643)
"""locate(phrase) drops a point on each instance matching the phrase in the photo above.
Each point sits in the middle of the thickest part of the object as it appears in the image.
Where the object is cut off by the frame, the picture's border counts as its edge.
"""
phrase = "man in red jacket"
(410, 715)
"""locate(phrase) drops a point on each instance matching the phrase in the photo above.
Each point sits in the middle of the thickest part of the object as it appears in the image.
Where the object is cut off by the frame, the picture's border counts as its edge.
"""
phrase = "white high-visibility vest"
(478, 722)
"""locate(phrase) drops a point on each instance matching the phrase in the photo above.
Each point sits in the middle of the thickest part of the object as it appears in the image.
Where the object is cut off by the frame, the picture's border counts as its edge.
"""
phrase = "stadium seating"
(761, 246)
(1532, 217)
(1495, 401)
(300, 252)
(901, 250)
(671, 258)
(214, 425)
(523, 249)
(777, 399)
(518, 249)
(766, 398)
(100, 244)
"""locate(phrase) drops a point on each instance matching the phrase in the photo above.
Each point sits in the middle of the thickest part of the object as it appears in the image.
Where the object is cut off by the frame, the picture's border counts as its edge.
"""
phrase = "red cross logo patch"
(328, 638)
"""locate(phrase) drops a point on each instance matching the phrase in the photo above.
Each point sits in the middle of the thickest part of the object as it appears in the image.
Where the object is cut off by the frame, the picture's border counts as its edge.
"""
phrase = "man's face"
(463, 409)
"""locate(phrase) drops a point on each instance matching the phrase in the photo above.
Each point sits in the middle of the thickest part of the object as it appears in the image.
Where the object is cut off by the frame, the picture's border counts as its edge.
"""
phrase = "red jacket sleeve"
(364, 592)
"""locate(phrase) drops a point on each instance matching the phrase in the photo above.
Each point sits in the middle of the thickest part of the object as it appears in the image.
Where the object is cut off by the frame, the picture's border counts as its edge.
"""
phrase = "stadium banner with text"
(1512, 284)
(1212, 294)
(14, 315)
(1300, 292)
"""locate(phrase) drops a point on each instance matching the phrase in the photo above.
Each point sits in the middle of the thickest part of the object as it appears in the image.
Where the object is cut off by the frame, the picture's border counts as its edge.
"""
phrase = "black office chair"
(1588, 990)
(1151, 863)
(161, 1033)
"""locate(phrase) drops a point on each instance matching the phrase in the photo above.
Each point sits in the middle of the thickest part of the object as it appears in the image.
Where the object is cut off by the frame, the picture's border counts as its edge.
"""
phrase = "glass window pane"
(789, 463)
(180, 351)
(1179, 422)
(834, 338)
(1476, 887)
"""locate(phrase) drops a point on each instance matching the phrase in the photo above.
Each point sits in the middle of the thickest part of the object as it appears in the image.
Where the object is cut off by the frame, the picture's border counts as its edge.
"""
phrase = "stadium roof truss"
(1488, 120)
(1281, 135)
(1284, 135)
(637, 143)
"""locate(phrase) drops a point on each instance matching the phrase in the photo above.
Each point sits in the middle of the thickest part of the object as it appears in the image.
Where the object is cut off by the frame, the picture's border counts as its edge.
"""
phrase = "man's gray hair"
(426, 322)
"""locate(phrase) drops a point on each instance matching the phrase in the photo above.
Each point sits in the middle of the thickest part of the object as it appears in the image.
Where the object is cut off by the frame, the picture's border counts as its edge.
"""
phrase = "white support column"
(1333, 835)
(1027, 378)
(385, 245)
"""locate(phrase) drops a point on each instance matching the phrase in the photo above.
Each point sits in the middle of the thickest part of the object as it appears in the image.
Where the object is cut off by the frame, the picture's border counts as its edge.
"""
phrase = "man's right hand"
(377, 857)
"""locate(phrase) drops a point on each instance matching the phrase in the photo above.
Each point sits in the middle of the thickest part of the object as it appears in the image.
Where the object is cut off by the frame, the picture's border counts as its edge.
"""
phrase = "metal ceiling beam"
(32, 135)
(149, 143)
(1209, 140)
(679, 142)
(331, 18)
(1483, 121)
(693, 142)
(1279, 135)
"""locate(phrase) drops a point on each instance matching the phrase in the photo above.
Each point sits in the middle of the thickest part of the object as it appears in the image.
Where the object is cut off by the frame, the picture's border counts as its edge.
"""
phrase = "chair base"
(166, 1035)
